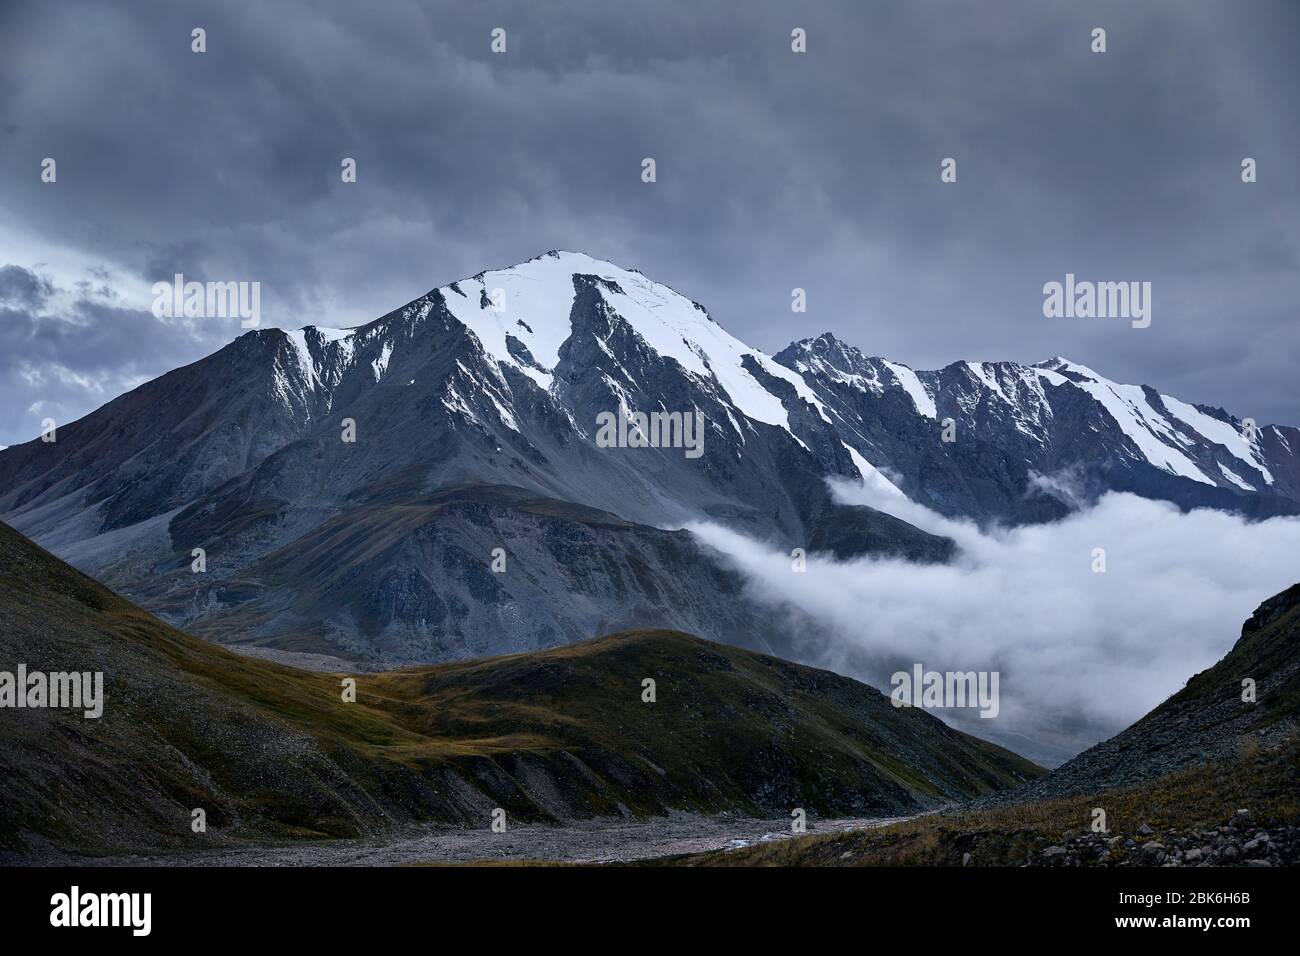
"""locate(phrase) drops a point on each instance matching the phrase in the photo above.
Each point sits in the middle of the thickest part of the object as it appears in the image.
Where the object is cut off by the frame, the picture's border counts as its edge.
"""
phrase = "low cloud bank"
(1081, 654)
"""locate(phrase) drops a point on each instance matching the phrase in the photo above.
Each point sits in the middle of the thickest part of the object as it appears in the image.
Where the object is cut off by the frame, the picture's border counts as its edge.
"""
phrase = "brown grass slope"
(1207, 720)
(1188, 765)
(270, 751)
(1265, 781)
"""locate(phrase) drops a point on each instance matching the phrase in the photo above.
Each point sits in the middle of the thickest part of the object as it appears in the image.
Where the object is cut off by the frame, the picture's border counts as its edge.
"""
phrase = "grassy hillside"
(1176, 779)
(270, 751)
(1207, 720)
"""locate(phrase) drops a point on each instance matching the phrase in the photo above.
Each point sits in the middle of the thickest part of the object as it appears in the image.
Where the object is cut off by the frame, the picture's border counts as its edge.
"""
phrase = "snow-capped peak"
(523, 315)
(829, 357)
(531, 303)
(1067, 368)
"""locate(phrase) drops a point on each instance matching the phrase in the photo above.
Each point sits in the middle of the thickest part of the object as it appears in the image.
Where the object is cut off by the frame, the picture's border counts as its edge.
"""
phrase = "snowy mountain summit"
(345, 484)
(523, 318)
(533, 319)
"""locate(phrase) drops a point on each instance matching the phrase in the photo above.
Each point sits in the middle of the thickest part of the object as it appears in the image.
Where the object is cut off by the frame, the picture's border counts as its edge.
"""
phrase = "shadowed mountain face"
(292, 459)
(467, 572)
(268, 750)
(1208, 719)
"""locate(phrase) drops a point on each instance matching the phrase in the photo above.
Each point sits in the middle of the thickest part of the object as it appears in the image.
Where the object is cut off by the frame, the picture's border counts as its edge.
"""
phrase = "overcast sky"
(775, 170)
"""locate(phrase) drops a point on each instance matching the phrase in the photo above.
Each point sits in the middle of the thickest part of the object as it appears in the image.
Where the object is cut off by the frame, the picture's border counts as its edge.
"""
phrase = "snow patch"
(872, 477)
(1218, 432)
(298, 338)
(912, 385)
(1146, 427)
(380, 365)
(1233, 477)
(333, 335)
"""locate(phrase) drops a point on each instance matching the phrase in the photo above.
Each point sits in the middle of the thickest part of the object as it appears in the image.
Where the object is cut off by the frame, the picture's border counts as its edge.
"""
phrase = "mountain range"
(430, 486)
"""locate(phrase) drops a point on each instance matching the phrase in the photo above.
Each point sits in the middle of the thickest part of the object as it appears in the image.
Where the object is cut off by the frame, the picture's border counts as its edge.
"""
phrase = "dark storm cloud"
(775, 170)
(22, 287)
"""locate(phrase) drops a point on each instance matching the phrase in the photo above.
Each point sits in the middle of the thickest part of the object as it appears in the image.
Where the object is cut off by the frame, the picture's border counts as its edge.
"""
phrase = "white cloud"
(1081, 654)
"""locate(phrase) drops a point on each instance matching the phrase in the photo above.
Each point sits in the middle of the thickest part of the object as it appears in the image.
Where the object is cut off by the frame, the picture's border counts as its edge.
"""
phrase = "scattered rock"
(1238, 843)
(1153, 851)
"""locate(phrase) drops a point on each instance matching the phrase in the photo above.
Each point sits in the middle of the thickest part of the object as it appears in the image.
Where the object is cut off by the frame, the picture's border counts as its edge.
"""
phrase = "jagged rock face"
(501, 380)
(1015, 425)
(889, 416)
(471, 572)
(243, 455)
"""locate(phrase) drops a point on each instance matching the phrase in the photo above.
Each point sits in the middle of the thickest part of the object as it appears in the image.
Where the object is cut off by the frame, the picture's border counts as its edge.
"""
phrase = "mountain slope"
(293, 443)
(446, 392)
(465, 572)
(1206, 720)
(449, 390)
(271, 751)
(1206, 778)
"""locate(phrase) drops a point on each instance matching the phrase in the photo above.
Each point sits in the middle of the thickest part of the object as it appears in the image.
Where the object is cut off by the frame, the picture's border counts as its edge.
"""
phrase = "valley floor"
(595, 841)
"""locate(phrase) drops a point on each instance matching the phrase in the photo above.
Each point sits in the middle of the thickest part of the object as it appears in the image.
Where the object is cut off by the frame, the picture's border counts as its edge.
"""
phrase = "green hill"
(270, 751)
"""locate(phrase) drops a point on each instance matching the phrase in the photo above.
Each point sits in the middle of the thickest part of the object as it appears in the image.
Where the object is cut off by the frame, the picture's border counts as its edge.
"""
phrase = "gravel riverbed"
(595, 841)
